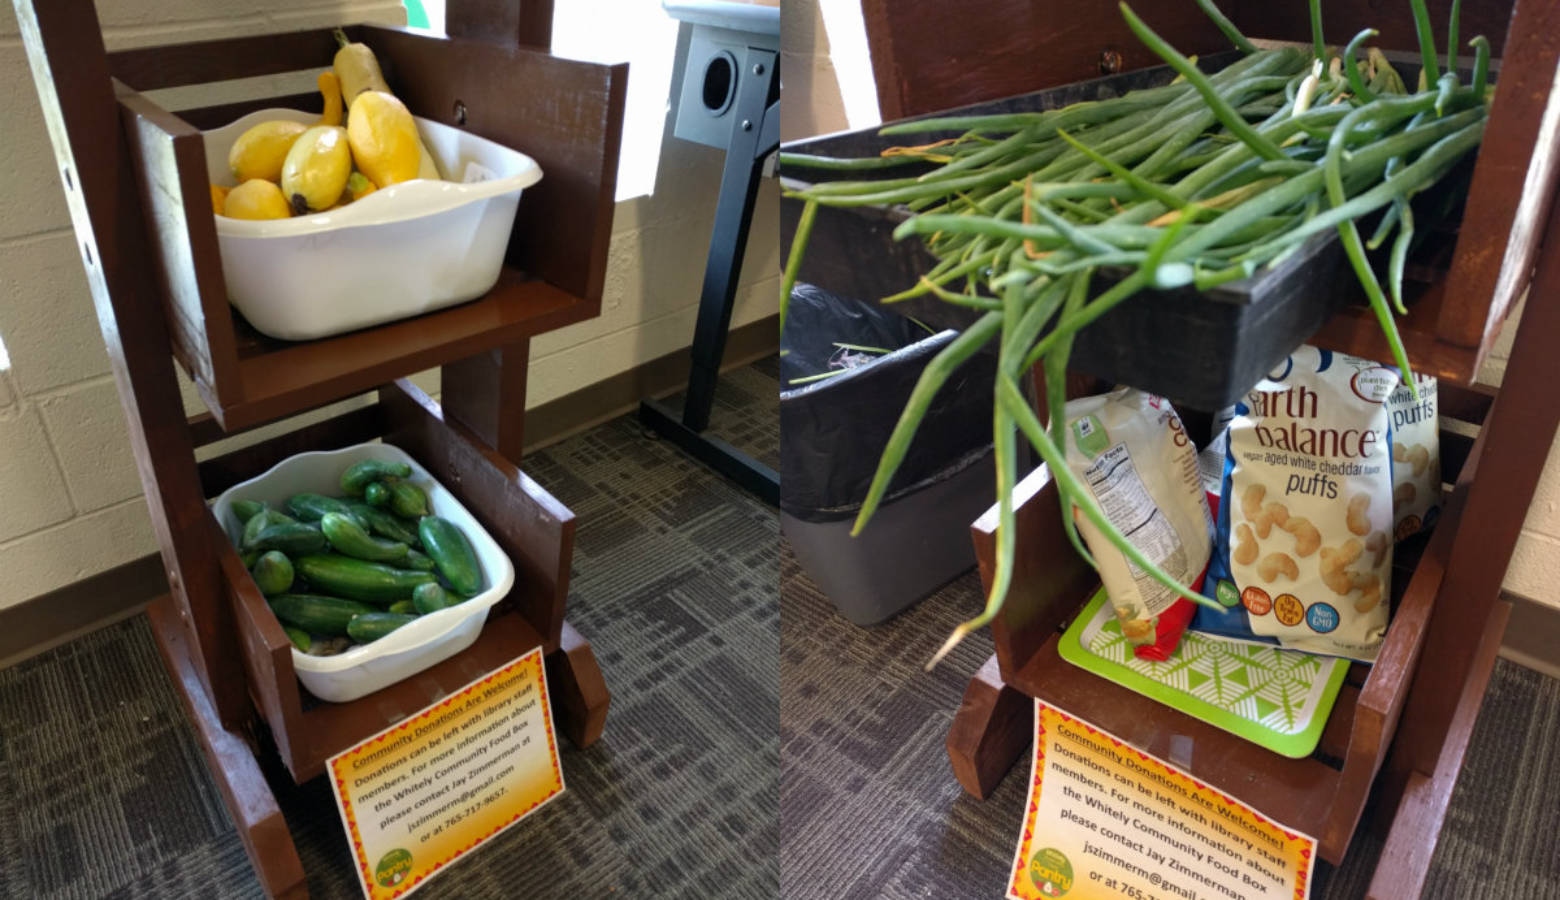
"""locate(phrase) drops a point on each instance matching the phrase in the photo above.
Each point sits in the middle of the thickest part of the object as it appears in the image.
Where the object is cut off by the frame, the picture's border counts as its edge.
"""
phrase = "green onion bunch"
(1199, 182)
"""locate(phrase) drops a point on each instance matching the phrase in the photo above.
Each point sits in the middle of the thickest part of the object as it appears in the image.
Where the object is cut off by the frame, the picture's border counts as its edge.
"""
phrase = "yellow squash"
(357, 69)
(256, 199)
(330, 90)
(384, 139)
(359, 186)
(315, 172)
(260, 151)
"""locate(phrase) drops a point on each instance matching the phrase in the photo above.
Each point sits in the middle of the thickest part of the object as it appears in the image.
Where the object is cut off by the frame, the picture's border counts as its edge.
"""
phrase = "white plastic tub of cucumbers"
(375, 571)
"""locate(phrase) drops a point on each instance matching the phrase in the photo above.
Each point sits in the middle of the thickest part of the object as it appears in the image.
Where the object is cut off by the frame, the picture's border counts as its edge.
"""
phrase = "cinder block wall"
(1535, 566)
(68, 483)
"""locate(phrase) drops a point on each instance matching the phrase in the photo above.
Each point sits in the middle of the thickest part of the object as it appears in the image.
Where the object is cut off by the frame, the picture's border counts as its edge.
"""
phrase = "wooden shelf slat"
(1296, 792)
(279, 378)
(334, 727)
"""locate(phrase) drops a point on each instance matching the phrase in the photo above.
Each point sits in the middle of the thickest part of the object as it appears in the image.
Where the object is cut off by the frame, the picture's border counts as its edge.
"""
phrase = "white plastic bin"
(411, 648)
(403, 250)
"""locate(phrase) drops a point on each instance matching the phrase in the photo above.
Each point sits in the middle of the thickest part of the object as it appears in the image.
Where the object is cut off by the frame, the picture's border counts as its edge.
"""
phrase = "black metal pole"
(728, 239)
(755, 134)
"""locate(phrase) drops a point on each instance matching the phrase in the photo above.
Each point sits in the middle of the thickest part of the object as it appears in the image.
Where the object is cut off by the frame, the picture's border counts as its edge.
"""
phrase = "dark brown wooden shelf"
(135, 181)
(533, 529)
(569, 119)
(1297, 792)
(279, 377)
(1323, 794)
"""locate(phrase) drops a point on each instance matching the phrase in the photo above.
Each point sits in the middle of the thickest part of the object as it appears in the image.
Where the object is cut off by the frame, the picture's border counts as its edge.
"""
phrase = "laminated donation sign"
(1104, 820)
(421, 794)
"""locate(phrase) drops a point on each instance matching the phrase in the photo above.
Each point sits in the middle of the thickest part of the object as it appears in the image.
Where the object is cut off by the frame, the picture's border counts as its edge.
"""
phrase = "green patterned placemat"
(1279, 699)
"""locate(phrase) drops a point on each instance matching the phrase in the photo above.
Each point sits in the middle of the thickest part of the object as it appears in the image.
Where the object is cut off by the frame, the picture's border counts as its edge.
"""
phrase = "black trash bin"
(833, 431)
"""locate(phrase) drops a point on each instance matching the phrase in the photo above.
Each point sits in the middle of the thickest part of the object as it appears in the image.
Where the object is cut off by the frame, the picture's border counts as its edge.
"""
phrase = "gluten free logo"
(1051, 873)
(393, 867)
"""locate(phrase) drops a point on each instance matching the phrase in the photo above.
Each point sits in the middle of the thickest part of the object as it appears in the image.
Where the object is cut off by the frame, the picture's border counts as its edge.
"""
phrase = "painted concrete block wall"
(67, 478)
(1534, 572)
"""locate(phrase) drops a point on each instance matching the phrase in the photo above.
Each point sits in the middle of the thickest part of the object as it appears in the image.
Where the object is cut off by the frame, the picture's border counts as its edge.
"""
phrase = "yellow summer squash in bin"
(357, 69)
(260, 151)
(384, 138)
(330, 90)
(359, 186)
(256, 199)
(316, 170)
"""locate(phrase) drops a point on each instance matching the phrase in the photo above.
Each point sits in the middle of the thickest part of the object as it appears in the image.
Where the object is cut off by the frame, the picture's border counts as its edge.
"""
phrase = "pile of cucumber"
(339, 571)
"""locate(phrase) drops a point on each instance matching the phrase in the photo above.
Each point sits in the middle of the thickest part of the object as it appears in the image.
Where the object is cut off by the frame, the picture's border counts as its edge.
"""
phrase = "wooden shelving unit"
(135, 180)
(1400, 727)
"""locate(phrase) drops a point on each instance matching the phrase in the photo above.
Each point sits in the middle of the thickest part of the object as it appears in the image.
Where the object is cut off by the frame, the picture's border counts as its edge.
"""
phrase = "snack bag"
(1416, 458)
(1303, 552)
(1131, 452)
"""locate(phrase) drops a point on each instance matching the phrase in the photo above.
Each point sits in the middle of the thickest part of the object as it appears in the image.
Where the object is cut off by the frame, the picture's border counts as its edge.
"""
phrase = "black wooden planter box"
(1202, 350)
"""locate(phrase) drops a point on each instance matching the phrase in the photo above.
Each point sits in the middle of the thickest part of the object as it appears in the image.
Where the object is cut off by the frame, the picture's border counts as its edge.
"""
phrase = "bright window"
(637, 32)
(847, 33)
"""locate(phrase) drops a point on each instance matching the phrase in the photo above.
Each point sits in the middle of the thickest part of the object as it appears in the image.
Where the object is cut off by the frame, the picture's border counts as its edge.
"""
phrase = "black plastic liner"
(833, 430)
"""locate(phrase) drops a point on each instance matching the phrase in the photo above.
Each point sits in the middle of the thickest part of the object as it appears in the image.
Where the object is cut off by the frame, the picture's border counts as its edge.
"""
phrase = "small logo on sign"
(393, 867)
(1051, 873)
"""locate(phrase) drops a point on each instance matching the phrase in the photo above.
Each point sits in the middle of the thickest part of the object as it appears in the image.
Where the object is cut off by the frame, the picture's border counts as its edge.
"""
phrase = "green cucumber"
(370, 627)
(292, 538)
(258, 523)
(273, 572)
(452, 553)
(377, 494)
(348, 537)
(358, 476)
(383, 523)
(404, 607)
(246, 509)
(429, 598)
(316, 614)
(421, 562)
(358, 579)
(407, 500)
(299, 637)
(312, 507)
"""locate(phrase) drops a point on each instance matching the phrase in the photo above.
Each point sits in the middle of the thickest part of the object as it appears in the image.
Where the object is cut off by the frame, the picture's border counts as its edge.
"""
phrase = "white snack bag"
(1132, 453)
(1304, 555)
(1416, 458)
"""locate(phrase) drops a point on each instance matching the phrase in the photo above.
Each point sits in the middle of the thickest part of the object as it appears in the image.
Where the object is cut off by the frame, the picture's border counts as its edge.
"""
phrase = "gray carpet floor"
(870, 809)
(104, 791)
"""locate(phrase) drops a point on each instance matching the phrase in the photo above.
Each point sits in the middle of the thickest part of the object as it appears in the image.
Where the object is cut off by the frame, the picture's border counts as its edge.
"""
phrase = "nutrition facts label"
(1124, 499)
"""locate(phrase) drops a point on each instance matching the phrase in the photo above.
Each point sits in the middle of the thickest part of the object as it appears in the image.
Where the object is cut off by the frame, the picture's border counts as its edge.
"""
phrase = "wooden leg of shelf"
(233, 766)
(993, 726)
(580, 696)
(486, 393)
(1421, 810)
